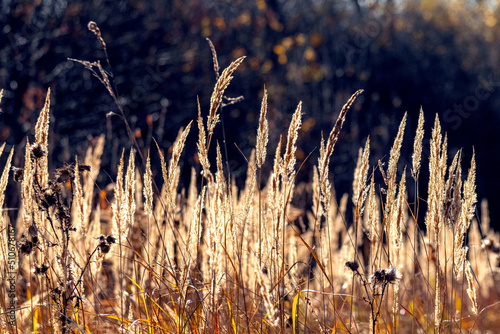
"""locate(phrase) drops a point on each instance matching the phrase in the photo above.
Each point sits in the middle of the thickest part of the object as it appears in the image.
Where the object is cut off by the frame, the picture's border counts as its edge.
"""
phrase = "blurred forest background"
(442, 56)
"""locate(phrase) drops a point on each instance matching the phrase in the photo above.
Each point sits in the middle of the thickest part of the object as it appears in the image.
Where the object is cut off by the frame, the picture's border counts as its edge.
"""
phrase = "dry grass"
(218, 259)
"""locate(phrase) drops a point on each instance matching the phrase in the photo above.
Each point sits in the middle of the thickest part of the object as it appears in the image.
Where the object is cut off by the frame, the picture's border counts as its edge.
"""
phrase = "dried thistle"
(38, 151)
(65, 173)
(105, 242)
(385, 276)
(25, 246)
(41, 269)
(393, 274)
(18, 174)
(50, 198)
(352, 265)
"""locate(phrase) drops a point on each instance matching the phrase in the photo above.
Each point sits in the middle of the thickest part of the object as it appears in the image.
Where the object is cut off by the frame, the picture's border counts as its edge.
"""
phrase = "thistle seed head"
(353, 265)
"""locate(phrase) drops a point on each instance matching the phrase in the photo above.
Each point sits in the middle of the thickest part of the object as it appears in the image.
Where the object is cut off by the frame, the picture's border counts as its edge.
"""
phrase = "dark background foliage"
(441, 56)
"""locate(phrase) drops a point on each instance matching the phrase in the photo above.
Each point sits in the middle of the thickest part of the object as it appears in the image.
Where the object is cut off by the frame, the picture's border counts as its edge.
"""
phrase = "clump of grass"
(216, 258)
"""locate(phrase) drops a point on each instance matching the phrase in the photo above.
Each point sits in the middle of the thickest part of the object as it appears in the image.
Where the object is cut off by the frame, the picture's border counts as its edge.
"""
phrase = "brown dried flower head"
(41, 269)
(65, 173)
(353, 265)
(105, 242)
(83, 168)
(385, 276)
(38, 150)
(49, 199)
(25, 246)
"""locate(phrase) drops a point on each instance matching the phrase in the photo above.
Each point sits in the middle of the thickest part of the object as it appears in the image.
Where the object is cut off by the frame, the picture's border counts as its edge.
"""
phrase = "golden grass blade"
(471, 289)
(2, 148)
(4, 180)
(220, 87)
(148, 189)
(119, 319)
(233, 323)
(294, 311)
(164, 172)
(372, 212)
(41, 136)
(202, 143)
(174, 161)
(293, 132)
(130, 190)
(78, 199)
(92, 26)
(143, 298)
(360, 177)
(397, 228)
(214, 58)
(42, 124)
(27, 188)
(118, 220)
(436, 182)
(262, 132)
(417, 146)
(393, 168)
(334, 136)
